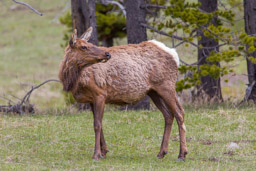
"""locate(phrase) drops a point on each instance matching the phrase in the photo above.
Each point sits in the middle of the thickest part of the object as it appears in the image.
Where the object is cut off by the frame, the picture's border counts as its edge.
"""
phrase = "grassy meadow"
(59, 138)
(66, 141)
(30, 51)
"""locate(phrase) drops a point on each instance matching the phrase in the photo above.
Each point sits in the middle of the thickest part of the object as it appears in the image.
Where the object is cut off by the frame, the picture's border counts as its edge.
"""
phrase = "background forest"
(31, 67)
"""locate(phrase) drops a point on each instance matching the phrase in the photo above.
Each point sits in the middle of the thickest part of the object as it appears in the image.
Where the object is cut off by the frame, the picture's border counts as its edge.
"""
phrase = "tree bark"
(135, 15)
(84, 16)
(209, 86)
(250, 28)
(108, 42)
(92, 21)
(79, 16)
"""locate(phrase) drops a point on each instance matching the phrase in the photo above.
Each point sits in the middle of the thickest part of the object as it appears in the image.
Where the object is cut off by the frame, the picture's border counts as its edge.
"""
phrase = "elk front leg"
(103, 145)
(98, 108)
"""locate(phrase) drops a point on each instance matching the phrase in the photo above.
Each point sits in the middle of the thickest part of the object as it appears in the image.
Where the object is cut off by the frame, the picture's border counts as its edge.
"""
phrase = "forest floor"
(218, 138)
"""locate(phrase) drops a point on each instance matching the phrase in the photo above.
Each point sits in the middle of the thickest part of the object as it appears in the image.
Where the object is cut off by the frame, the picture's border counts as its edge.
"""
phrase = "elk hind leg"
(182, 131)
(169, 96)
(168, 117)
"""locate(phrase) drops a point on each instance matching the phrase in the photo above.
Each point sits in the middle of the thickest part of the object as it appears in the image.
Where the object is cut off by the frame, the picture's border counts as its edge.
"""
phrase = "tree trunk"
(209, 86)
(108, 42)
(250, 28)
(135, 16)
(84, 16)
(79, 16)
(136, 34)
(92, 21)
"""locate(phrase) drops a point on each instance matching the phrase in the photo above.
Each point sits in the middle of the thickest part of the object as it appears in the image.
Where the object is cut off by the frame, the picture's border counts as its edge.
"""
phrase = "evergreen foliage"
(67, 21)
(110, 24)
(185, 19)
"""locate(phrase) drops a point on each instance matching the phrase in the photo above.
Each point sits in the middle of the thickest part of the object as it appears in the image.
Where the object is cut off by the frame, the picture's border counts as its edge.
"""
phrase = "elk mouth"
(103, 60)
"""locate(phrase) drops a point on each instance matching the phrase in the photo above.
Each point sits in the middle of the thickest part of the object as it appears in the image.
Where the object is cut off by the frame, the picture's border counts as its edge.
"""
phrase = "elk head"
(84, 53)
(79, 54)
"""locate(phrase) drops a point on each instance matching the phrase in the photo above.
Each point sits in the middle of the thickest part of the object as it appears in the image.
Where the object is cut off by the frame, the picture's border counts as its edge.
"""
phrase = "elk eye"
(84, 47)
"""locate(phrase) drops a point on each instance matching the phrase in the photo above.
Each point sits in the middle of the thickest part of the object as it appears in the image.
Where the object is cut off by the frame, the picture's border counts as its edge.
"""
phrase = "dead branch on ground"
(23, 106)
(247, 93)
(29, 6)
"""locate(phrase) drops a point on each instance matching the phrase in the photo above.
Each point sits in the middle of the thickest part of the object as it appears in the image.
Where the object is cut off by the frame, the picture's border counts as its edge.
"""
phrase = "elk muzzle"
(108, 55)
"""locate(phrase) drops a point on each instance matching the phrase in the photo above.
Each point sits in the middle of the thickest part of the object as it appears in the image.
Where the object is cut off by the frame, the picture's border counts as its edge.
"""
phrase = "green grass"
(66, 141)
(30, 50)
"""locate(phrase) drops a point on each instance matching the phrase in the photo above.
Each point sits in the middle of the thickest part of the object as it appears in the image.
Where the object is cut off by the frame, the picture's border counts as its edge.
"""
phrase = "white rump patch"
(171, 51)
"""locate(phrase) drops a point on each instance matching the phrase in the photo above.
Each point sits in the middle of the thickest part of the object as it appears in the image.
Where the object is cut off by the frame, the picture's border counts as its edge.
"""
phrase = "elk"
(123, 75)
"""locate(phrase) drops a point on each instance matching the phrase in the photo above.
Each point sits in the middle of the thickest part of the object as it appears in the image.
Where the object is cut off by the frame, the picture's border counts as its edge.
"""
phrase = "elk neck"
(70, 71)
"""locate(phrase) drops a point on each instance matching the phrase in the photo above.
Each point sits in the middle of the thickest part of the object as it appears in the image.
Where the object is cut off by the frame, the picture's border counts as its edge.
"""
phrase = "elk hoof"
(104, 152)
(162, 154)
(96, 157)
(181, 159)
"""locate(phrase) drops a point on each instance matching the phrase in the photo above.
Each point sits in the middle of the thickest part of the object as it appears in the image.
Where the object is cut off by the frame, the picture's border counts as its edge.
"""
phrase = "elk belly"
(125, 80)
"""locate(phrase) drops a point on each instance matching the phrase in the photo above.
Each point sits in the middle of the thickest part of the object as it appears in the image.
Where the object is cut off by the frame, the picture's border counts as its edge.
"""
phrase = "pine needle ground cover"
(218, 138)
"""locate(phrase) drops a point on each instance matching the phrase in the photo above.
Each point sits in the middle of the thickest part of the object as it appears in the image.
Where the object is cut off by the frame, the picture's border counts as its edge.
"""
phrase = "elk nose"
(108, 55)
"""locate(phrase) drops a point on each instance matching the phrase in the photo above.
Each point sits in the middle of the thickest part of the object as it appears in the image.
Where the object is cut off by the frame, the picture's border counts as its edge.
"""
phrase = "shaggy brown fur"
(133, 72)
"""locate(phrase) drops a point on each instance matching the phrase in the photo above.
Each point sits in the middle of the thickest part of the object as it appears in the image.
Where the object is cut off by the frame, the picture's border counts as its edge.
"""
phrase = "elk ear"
(74, 37)
(87, 35)
(71, 44)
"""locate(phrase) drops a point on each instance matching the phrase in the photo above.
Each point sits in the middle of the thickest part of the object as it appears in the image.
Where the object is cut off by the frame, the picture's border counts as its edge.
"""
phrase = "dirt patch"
(209, 142)
(230, 153)
(215, 159)
(245, 141)
(206, 142)
(18, 8)
(218, 159)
